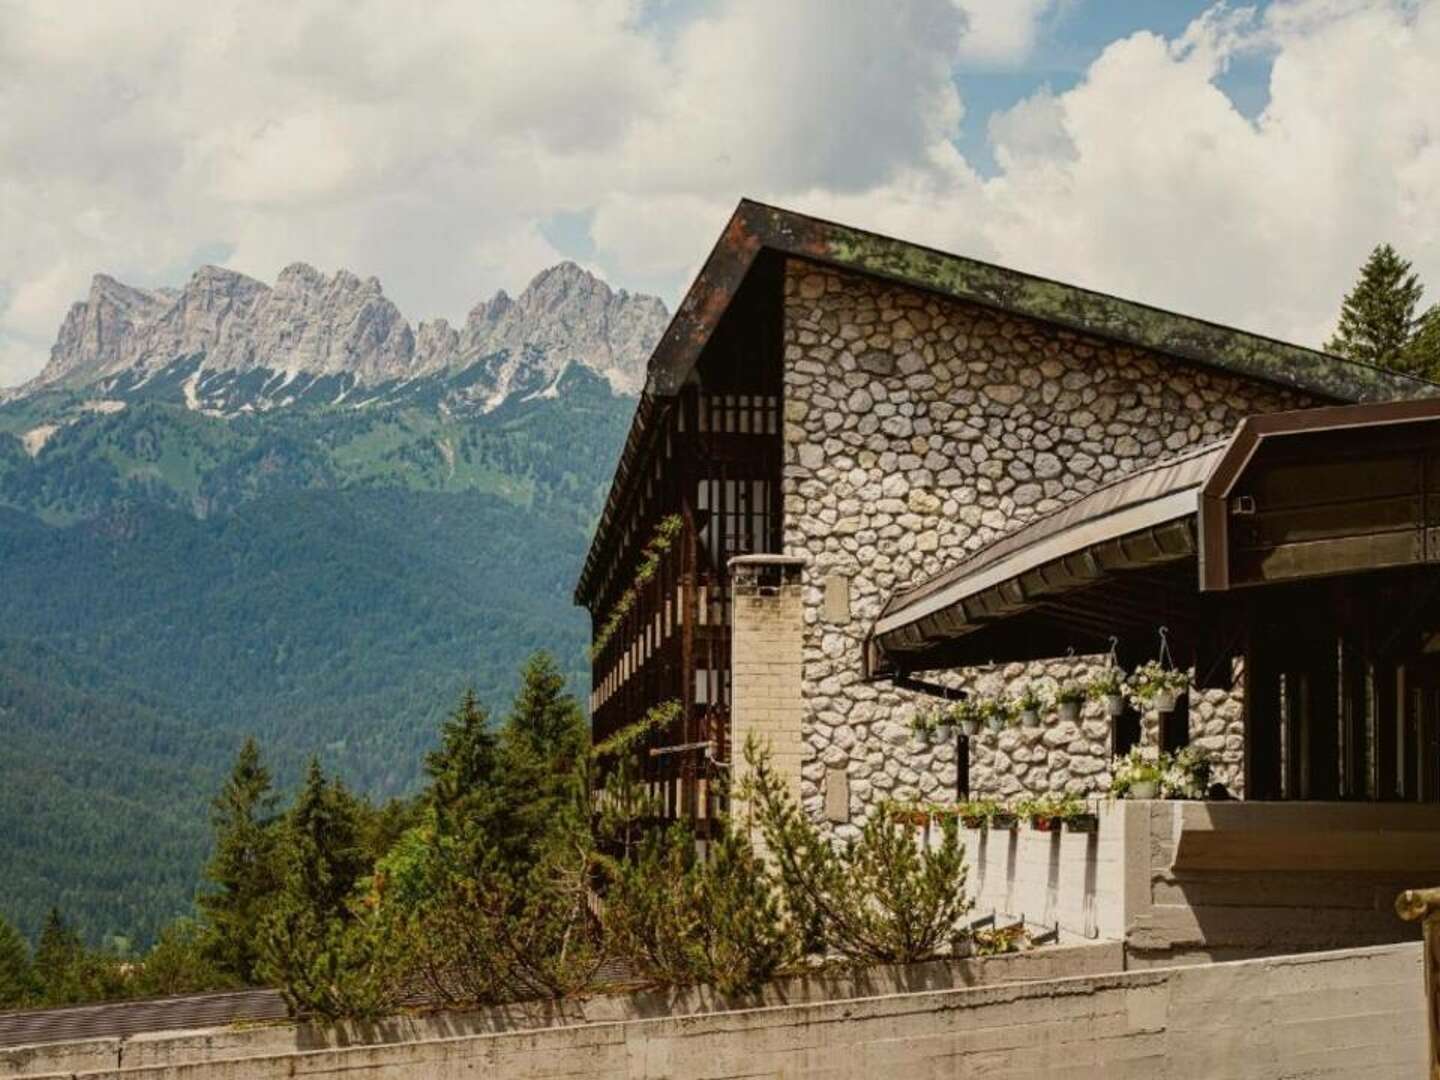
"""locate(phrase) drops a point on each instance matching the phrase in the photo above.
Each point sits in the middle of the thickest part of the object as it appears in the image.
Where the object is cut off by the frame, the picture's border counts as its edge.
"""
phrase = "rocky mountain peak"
(343, 324)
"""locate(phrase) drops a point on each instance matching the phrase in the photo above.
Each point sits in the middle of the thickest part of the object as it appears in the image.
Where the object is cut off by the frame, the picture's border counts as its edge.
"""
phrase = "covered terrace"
(1299, 557)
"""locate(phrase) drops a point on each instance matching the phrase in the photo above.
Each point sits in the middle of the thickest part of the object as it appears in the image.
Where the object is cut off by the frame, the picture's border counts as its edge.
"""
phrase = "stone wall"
(918, 430)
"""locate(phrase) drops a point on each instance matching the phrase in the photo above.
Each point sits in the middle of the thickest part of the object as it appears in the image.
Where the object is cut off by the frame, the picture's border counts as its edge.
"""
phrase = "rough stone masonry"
(919, 429)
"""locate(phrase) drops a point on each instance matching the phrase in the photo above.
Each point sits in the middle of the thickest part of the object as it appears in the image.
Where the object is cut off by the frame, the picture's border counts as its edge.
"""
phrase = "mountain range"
(235, 508)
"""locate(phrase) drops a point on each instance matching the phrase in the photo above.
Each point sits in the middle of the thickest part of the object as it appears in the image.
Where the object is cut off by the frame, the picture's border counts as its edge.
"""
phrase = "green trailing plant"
(660, 542)
(880, 897)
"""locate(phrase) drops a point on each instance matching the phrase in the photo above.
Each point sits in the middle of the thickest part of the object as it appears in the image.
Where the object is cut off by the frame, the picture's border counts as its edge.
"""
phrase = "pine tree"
(542, 759)
(311, 945)
(17, 973)
(323, 855)
(56, 957)
(1377, 317)
(463, 768)
(242, 866)
(1422, 351)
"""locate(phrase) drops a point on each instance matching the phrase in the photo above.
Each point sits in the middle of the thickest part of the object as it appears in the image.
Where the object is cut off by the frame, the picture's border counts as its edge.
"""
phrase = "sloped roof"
(755, 227)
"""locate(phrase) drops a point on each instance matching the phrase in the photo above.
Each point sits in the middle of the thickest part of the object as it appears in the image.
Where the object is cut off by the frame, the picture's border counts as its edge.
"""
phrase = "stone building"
(837, 417)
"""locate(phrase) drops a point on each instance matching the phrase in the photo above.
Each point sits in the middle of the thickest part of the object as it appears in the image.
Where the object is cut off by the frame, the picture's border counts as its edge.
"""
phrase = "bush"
(682, 919)
(879, 898)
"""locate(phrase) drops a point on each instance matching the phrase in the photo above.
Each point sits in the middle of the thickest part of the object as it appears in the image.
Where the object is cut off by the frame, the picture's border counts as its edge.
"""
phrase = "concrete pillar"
(767, 631)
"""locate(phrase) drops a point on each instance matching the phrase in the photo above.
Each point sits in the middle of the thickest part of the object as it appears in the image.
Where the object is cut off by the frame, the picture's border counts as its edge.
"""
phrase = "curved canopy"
(1294, 495)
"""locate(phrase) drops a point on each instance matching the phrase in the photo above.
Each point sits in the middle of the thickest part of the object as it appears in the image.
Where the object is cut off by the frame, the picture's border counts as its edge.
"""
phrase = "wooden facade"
(714, 463)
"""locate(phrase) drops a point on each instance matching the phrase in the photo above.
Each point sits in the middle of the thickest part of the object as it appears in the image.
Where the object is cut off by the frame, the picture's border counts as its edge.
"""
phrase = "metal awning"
(1142, 548)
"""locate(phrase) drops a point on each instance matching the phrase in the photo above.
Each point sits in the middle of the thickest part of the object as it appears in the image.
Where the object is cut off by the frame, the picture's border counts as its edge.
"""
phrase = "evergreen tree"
(323, 854)
(1377, 317)
(463, 768)
(543, 756)
(57, 951)
(17, 974)
(310, 943)
(242, 866)
(1422, 351)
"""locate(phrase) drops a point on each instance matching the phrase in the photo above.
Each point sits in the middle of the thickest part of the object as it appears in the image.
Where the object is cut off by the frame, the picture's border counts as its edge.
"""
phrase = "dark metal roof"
(120, 1018)
(756, 227)
(1159, 515)
(1151, 496)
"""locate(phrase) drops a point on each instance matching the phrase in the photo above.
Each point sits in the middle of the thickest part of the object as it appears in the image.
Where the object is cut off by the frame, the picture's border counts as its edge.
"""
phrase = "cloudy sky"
(1226, 161)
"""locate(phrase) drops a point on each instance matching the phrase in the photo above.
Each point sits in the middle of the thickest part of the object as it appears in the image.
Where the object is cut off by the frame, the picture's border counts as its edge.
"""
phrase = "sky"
(1231, 162)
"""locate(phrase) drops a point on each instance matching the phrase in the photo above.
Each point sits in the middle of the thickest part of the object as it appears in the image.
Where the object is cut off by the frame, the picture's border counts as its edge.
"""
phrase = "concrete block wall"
(1330, 1016)
(1196, 881)
(767, 703)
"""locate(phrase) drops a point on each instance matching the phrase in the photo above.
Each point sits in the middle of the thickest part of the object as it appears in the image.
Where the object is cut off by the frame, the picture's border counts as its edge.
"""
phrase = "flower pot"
(1030, 718)
(970, 727)
(1069, 711)
(945, 735)
(973, 821)
(1082, 823)
(918, 818)
(1115, 704)
(996, 724)
(1143, 789)
(1046, 824)
(1003, 821)
(1165, 700)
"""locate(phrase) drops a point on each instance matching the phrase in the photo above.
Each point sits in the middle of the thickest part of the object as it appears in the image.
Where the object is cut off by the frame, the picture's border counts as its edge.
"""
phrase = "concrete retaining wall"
(1357, 1013)
(169, 1048)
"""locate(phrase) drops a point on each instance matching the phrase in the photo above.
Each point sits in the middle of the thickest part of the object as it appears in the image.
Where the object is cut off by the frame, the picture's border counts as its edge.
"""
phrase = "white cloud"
(429, 151)
(1001, 32)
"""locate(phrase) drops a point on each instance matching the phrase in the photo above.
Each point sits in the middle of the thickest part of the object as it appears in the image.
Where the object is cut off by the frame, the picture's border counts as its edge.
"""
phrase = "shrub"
(878, 898)
(682, 919)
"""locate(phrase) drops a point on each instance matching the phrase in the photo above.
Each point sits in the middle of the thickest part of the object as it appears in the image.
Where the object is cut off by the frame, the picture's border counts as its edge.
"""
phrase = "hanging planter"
(1068, 700)
(1049, 813)
(923, 728)
(994, 713)
(1002, 819)
(1028, 706)
(977, 813)
(1083, 823)
(1108, 685)
(1159, 682)
(1144, 789)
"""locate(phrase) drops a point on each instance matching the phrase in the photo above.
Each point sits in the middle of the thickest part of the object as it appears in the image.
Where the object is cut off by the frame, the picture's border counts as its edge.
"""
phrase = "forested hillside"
(328, 579)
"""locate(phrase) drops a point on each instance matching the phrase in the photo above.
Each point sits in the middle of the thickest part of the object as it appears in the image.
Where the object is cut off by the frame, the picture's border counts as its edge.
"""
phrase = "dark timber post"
(1261, 718)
